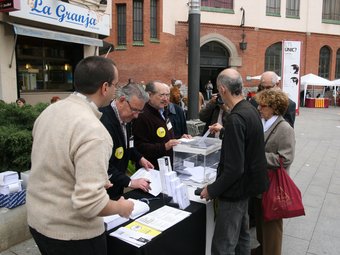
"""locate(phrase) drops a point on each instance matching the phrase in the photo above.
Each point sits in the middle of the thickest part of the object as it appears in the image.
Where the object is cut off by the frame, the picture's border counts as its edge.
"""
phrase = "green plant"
(16, 135)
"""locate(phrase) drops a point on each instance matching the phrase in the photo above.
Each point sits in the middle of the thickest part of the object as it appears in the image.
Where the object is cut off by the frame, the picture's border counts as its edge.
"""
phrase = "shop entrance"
(46, 65)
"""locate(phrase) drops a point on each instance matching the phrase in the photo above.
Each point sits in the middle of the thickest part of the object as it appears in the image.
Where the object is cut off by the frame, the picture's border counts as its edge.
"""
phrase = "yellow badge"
(119, 152)
(161, 132)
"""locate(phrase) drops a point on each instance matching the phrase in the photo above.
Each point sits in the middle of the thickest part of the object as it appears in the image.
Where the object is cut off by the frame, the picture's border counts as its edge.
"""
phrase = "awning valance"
(53, 35)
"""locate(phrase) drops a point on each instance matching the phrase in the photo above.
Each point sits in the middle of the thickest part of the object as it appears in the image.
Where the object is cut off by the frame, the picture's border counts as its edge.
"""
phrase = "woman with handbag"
(279, 147)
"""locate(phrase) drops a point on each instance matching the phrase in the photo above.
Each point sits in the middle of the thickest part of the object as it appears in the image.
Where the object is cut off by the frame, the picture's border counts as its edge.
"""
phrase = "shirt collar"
(92, 105)
(171, 108)
(267, 124)
(114, 107)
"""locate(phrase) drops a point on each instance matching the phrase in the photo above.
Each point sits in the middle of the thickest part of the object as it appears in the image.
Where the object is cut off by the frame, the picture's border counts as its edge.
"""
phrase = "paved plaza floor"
(316, 171)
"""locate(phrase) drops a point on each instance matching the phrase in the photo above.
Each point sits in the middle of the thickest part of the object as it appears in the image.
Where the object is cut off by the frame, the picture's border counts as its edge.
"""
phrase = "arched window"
(273, 58)
(324, 62)
(337, 68)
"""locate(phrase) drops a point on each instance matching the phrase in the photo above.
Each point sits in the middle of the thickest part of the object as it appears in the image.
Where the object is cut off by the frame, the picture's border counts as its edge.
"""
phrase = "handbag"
(283, 198)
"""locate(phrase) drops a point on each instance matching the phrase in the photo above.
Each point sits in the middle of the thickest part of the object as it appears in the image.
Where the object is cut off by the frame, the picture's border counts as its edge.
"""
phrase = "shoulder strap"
(273, 131)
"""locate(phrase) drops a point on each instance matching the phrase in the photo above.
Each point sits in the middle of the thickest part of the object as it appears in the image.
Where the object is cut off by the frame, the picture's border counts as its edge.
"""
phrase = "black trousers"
(50, 246)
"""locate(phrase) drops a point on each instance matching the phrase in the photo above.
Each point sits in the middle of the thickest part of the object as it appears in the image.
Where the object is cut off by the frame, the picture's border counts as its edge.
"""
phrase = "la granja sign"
(65, 15)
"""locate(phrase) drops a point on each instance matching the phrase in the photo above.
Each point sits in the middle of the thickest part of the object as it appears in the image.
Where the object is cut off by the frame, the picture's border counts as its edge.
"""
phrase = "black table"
(186, 237)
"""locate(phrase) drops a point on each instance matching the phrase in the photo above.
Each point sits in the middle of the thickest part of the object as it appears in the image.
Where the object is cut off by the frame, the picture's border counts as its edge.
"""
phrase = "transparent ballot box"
(196, 160)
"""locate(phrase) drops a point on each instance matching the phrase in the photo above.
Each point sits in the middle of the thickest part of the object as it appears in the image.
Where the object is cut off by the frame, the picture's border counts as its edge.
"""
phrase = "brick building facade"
(167, 58)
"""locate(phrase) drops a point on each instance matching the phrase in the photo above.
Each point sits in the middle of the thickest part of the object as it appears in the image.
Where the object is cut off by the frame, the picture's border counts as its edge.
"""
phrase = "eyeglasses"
(134, 110)
(268, 87)
(164, 95)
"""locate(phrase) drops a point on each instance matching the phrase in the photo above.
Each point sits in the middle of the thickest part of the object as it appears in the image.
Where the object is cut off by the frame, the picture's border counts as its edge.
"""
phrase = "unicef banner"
(291, 54)
(86, 15)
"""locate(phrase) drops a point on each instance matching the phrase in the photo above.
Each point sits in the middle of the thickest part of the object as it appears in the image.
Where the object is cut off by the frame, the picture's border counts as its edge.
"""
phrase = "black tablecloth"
(186, 237)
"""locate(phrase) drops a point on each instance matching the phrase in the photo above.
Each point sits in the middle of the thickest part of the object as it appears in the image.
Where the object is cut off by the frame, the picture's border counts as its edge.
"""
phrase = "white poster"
(86, 15)
(291, 54)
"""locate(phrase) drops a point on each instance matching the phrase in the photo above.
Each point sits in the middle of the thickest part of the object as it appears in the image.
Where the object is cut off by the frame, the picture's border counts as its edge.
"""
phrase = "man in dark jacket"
(116, 117)
(153, 131)
(270, 80)
(214, 111)
(242, 169)
(178, 120)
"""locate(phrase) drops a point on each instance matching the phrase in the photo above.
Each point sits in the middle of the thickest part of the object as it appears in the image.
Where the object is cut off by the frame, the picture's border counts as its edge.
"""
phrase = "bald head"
(269, 79)
(232, 73)
(232, 80)
(161, 86)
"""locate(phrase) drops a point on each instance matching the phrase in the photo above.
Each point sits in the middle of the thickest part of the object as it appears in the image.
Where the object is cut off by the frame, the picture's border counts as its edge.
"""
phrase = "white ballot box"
(196, 160)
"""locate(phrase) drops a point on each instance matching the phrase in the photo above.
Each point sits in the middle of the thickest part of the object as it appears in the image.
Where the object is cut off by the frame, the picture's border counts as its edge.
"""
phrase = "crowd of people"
(93, 134)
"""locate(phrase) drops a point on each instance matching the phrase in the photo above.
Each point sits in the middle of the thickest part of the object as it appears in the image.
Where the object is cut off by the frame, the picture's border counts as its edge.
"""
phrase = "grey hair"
(234, 85)
(132, 89)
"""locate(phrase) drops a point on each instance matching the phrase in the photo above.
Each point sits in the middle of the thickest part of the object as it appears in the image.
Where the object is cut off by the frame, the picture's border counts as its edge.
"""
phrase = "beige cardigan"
(70, 155)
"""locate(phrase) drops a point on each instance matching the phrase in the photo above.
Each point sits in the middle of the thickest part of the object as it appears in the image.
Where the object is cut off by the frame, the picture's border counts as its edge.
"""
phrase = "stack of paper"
(8, 177)
(163, 218)
(153, 176)
(115, 220)
(11, 192)
(139, 208)
(136, 233)
(9, 183)
(164, 164)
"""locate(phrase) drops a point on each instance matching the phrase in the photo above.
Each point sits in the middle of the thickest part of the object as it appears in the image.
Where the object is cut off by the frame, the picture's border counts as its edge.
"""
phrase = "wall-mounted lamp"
(243, 43)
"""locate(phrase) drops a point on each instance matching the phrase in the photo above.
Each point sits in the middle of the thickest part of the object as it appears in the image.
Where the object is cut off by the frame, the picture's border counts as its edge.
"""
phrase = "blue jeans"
(231, 234)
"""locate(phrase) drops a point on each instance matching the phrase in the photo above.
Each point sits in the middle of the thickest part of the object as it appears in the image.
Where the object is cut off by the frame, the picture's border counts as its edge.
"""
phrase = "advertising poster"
(291, 55)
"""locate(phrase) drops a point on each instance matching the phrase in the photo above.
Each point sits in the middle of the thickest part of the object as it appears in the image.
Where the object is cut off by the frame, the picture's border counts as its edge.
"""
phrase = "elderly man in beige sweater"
(71, 149)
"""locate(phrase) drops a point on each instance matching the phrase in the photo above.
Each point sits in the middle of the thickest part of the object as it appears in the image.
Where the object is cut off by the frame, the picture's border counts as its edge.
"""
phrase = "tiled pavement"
(316, 170)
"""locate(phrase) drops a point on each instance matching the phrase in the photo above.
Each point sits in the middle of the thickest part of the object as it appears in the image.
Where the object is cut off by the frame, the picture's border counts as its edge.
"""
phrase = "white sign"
(291, 54)
(92, 17)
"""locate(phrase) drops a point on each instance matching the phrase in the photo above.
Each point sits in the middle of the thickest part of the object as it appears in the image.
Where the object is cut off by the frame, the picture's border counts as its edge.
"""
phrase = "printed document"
(154, 178)
(135, 233)
(163, 218)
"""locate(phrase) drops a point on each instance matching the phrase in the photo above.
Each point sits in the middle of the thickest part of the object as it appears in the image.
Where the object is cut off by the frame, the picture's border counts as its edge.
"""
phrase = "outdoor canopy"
(314, 80)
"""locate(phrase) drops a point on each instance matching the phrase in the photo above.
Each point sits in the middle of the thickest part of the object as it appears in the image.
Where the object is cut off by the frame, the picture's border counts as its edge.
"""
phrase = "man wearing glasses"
(270, 80)
(153, 131)
(129, 103)
(66, 188)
